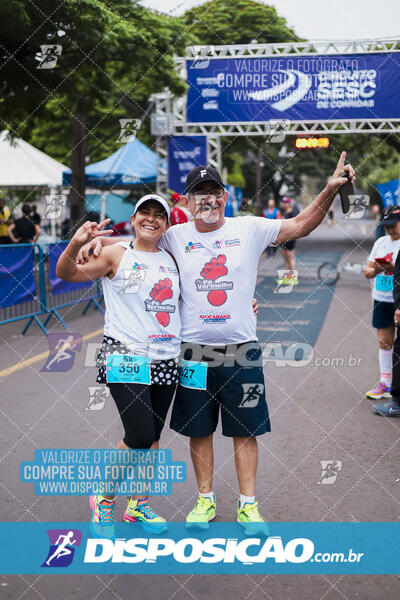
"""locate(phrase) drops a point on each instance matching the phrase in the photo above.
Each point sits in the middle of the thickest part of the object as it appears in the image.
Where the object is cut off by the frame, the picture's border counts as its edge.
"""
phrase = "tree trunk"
(77, 193)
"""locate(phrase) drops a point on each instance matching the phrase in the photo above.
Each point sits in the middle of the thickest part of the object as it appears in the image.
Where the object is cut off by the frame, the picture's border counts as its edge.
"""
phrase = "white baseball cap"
(154, 198)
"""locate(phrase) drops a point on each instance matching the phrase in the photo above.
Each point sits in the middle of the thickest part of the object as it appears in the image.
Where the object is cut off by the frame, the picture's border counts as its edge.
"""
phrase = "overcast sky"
(321, 19)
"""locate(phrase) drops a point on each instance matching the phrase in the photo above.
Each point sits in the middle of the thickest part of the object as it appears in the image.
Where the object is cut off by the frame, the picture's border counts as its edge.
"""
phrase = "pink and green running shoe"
(102, 524)
(382, 391)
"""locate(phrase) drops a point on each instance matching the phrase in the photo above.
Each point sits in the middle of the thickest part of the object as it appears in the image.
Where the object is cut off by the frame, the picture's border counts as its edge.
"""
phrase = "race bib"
(384, 283)
(128, 368)
(193, 374)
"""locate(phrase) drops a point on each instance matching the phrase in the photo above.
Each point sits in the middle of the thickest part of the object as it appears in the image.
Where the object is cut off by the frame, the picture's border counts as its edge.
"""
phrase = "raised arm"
(67, 267)
(309, 218)
(95, 246)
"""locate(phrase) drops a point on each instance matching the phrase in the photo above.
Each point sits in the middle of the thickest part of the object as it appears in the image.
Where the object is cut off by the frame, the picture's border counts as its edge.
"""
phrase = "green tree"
(114, 54)
(237, 22)
(376, 158)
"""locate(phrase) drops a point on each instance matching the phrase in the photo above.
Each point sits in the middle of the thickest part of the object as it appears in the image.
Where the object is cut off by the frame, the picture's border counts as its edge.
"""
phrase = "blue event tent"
(132, 164)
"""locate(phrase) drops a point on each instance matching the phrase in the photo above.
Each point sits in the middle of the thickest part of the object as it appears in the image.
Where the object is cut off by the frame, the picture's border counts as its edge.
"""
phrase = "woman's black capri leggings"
(143, 409)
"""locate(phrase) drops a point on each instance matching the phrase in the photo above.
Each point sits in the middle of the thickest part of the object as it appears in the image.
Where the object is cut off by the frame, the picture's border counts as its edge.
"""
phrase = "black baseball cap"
(200, 175)
(391, 215)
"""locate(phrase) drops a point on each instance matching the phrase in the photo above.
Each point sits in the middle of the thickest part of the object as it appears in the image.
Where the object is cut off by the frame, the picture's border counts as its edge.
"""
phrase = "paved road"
(318, 412)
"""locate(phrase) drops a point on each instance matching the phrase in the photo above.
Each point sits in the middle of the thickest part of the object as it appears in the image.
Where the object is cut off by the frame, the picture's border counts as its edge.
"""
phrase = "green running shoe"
(141, 511)
(203, 512)
(249, 518)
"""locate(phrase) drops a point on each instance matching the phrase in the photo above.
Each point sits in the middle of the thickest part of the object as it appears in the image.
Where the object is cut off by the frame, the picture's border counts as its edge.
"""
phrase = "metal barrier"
(61, 293)
(30, 287)
(91, 295)
(22, 289)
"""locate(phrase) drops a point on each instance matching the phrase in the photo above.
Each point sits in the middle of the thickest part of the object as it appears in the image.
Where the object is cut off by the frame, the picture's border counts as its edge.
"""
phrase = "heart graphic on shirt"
(212, 271)
(160, 292)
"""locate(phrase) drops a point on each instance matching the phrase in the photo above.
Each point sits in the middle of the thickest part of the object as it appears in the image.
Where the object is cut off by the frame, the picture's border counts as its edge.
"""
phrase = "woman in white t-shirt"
(141, 292)
(380, 267)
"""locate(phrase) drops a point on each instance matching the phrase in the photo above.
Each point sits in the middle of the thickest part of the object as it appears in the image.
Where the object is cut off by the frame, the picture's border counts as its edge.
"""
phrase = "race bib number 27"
(193, 374)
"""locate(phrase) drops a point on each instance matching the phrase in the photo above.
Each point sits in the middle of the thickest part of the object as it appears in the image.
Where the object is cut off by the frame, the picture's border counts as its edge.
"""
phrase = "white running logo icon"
(61, 546)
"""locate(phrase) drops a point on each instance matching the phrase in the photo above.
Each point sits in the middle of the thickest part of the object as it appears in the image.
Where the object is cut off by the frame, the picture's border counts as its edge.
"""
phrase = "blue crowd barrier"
(64, 293)
(22, 284)
(29, 287)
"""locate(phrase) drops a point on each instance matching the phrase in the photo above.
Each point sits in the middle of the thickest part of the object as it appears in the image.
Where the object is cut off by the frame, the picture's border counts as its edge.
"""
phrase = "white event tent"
(23, 165)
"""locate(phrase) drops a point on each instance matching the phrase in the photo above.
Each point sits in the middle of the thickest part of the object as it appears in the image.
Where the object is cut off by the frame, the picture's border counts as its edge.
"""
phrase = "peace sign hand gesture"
(89, 231)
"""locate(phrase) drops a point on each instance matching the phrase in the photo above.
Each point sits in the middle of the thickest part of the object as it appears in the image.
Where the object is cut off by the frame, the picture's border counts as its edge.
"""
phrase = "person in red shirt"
(179, 213)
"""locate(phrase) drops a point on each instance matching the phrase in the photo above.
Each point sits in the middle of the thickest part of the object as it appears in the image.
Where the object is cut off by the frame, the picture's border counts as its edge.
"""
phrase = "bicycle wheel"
(328, 273)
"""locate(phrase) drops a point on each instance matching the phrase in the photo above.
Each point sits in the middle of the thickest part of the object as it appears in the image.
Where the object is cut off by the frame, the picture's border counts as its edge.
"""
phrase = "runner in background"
(290, 211)
(391, 408)
(179, 212)
(380, 267)
(271, 212)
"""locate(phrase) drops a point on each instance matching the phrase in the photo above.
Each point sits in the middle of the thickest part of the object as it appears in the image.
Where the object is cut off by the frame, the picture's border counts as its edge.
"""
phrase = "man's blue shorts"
(235, 385)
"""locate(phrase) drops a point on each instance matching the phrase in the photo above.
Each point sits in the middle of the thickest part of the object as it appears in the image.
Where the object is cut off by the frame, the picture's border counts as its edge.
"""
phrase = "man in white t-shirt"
(217, 259)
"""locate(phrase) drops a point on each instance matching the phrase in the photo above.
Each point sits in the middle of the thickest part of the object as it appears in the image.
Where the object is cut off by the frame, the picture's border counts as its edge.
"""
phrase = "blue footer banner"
(288, 548)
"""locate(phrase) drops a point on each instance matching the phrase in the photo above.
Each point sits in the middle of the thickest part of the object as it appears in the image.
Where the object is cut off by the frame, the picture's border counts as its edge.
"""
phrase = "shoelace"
(146, 510)
(381, 386)
(106, 512)
(202, 505)
(254, 509)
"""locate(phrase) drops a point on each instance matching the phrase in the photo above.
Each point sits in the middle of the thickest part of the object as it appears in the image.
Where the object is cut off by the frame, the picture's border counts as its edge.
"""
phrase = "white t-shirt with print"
(142, 301)
(218, 272)
(383, 284)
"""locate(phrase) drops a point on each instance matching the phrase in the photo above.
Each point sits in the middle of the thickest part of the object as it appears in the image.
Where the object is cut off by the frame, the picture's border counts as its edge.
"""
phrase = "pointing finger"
(341, 160)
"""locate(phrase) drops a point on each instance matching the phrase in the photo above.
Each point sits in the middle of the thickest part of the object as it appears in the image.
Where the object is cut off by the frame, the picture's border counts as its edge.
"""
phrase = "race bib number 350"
(128, 368)
(193, 374)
